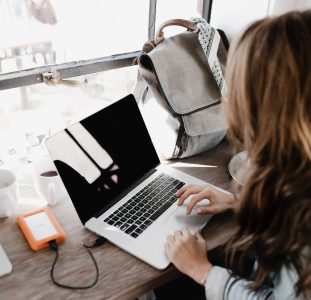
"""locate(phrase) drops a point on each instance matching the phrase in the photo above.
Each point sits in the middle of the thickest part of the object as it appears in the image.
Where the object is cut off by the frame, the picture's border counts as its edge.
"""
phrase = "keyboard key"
(173, 199)
(143, 226)
(180, 184)
(139, 231)
(160, 211)
(148, 222)
(134, 234)
(130, 229)
(151, 211)
(124, 226)
(118, 224)
(130, 221)
(110, 222)
(134, 217)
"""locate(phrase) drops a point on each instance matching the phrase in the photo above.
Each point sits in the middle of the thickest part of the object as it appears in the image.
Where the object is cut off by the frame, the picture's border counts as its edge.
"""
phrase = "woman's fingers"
(178, 235)
(207, 210)
(181, 190)
(170, 239)
(199, 237)
(185, 232)
(205, 194)
(186, 191)
(167, 248)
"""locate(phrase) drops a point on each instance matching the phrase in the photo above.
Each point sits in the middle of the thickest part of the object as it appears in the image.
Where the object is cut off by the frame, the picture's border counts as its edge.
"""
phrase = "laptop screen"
(101, 156)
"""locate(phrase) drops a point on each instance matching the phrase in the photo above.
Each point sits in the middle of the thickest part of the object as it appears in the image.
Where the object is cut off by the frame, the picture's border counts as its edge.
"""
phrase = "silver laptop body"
(117, 184)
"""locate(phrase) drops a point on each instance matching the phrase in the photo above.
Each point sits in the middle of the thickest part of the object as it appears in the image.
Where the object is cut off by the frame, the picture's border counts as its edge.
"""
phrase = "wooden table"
(122, 276)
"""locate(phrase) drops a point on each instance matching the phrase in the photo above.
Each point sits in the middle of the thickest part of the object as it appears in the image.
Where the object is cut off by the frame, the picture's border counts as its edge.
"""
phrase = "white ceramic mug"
(47, 181)
(8, 193)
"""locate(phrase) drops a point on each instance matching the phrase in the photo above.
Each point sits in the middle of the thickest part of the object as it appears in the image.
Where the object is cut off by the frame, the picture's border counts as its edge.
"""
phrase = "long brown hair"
(269, 114)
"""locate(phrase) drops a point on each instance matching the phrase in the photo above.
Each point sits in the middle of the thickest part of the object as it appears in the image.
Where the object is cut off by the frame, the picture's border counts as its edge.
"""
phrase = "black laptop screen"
(103, 155)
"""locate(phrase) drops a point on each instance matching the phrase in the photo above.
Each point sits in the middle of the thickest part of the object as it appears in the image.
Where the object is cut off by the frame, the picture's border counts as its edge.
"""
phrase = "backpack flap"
(178, 70)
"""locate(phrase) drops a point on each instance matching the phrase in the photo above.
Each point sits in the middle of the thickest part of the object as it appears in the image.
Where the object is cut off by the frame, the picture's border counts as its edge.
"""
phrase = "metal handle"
(53, 78)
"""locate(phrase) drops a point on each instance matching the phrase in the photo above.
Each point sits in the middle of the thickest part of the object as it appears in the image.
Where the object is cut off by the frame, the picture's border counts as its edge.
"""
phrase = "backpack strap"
(209, 39)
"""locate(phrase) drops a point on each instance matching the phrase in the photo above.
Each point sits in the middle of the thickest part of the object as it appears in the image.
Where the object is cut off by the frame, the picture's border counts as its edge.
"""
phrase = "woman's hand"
(218, 201)
(188, 253)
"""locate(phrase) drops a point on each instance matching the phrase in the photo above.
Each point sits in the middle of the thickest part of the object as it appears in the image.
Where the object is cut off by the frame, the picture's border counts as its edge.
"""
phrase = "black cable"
(53, 245)
(99, 241)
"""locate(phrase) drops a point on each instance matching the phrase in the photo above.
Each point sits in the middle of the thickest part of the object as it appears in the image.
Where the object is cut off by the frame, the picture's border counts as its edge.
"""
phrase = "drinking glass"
(238, 167)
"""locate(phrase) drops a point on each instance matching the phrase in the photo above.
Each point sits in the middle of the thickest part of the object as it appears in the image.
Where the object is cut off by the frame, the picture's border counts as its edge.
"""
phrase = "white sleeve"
(220, 285)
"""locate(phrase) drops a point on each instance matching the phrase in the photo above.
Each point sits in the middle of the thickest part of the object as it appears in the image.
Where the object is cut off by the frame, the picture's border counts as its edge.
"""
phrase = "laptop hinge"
(124, 193)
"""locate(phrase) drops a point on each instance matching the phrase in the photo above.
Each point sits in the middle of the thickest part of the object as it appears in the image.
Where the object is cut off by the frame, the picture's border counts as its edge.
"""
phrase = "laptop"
(117, 184)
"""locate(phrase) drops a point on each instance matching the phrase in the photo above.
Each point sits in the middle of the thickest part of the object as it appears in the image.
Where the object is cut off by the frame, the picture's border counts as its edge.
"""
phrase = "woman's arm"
(188, 253)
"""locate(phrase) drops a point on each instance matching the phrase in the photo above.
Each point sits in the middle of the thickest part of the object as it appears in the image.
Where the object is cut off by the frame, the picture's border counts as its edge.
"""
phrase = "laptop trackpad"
(178, 218)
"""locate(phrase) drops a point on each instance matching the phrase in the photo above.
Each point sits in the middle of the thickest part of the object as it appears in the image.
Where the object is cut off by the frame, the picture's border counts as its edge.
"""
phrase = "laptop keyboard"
(139, 212)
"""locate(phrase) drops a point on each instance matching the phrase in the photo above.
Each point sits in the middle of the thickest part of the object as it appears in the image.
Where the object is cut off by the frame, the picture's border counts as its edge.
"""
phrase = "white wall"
(234, 15)
(282, 6)
(303, 4)
(277, 7)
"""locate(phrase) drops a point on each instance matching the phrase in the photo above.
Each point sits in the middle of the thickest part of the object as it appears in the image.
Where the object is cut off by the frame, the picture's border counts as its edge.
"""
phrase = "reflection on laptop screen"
(103, 155)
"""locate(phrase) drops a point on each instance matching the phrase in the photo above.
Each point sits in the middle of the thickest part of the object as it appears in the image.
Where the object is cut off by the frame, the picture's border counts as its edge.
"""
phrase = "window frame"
(83, 67)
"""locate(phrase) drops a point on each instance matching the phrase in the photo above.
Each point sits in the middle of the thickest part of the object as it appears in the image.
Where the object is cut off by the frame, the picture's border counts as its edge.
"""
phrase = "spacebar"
(160, 211)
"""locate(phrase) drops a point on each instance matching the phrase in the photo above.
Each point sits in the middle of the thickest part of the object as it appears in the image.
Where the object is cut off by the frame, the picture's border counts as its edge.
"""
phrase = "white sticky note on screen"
(40, 226)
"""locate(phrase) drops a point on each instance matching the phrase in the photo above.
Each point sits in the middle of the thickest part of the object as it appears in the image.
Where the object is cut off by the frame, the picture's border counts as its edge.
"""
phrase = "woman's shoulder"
(284, 284)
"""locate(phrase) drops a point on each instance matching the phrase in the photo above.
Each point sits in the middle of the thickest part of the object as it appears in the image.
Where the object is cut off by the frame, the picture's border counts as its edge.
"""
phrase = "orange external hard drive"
(39, 227)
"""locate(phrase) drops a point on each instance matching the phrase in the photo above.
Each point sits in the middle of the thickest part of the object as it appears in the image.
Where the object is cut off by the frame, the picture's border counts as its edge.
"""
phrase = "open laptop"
(114, 178)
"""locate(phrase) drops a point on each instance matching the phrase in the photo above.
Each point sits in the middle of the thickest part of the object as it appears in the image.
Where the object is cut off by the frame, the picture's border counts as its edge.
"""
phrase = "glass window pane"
(176, 9)
(30, 114)
(42, 32)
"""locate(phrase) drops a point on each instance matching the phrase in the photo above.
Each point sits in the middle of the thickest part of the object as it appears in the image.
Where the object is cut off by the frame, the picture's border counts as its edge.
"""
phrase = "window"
(92, 43)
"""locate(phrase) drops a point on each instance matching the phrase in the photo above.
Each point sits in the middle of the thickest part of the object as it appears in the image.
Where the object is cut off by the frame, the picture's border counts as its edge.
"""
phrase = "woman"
(268, 110)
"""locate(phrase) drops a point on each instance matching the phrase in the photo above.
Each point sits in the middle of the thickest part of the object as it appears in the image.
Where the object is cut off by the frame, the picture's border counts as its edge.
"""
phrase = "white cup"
(47, 181)
(8, 193)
